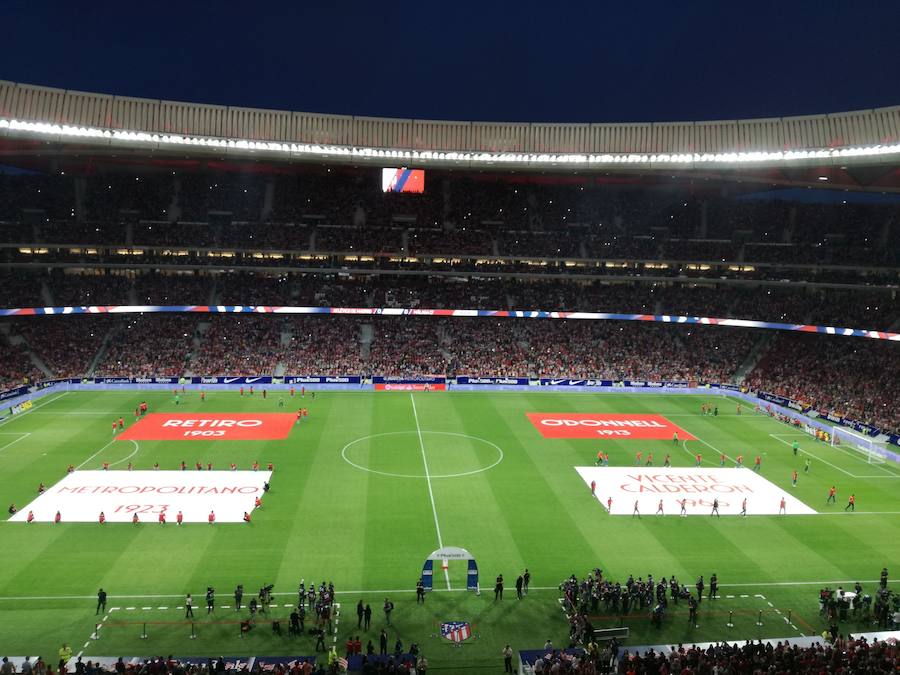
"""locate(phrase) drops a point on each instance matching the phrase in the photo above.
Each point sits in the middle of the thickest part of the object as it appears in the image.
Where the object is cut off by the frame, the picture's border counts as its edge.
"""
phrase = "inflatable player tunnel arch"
(446, 554)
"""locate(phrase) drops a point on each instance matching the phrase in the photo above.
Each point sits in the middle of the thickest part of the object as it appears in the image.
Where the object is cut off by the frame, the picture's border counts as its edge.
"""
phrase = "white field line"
(752, 584)
(137, 449)
(816, 457)
(890, 473)
(95, 454)
(856, 456)
(24, 435)
(709, 445)
(39, 405)
(116, 413)
(437, 525)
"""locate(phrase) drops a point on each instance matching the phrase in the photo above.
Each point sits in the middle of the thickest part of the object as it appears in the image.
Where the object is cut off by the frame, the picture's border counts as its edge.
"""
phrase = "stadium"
(580, 397)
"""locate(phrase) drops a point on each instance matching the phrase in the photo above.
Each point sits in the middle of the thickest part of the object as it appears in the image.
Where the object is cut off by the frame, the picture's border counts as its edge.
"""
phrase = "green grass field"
(368, 531)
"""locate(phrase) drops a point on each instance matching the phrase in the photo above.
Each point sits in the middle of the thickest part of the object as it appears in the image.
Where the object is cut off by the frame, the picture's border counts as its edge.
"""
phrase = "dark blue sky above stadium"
(504, 61)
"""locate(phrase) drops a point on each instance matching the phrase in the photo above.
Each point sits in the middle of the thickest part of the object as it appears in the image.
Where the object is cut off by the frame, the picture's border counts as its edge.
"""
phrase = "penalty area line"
(22, 437)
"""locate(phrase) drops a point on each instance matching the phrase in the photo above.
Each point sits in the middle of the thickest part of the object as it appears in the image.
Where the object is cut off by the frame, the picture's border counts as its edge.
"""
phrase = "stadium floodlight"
(129, 136)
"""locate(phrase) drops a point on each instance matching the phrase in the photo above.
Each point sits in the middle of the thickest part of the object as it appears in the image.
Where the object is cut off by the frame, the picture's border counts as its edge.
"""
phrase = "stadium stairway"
(16, 340)
(196, 344)
(284, 340)
(104, 347)
(756, 353)
(366, 335)
(46, 295)
(39, 364)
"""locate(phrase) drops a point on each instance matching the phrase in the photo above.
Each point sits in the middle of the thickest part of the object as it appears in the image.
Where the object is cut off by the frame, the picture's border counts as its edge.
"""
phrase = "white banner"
(82, 495)
(618, 488)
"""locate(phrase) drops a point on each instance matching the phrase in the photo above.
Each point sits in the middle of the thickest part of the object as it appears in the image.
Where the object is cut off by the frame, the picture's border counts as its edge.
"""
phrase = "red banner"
(621, 426)
(210, 427)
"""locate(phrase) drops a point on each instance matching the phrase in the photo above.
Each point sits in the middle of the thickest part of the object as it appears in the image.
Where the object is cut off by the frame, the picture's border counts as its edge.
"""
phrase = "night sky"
(495, 61)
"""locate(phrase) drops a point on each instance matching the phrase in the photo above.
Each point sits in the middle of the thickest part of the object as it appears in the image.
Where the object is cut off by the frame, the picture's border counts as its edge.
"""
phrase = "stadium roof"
(106, 124)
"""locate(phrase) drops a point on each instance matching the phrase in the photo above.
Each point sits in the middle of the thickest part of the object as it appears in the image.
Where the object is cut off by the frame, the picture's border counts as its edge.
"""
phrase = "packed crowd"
(149, 345)
(845, 655)
(870, 309)
(348, 212)
(16, 367)
(853, 377)
(857, 379)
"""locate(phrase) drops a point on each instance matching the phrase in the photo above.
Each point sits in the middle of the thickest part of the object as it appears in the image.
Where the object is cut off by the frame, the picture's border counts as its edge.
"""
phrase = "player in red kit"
(242, 391)
(70, 468)
(121, 423)
(831, 495)
(659, 509)
(302, 392)
(134, 519)
(257, 503)
(114, 427)
(255, 466)
(794, 476)
(251, 390)
(209, 466)
(637, 458)
(202, 395)
(162, 517)
(649, 459)
(699, 458)
(102, 518)
(57, 517)
(183, 466)
(757, 463)
(212, 517)
(246, 517)
(270, 466)
(782, 508)
(593, 487)
(179, 519)
(233, 466)
(199, 466)
(609, 504)
(292, 392)
(30, 517)
(106, 466)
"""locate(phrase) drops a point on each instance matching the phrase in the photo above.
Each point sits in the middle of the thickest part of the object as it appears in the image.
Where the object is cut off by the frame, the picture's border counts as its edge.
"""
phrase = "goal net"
(870, 447)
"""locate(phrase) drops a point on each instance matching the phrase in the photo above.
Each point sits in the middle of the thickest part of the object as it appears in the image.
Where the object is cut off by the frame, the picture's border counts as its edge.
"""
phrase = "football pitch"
(366, 486)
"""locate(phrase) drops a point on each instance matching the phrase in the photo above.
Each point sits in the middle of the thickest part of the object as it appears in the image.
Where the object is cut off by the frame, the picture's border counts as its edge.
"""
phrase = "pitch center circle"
(347, 452)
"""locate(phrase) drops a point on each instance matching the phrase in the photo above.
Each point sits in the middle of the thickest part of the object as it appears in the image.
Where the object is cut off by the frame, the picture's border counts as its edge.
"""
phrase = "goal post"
(853, 440)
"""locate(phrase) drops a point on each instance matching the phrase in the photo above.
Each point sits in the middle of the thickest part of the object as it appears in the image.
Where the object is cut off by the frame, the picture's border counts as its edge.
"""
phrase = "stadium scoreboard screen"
(403, 180)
